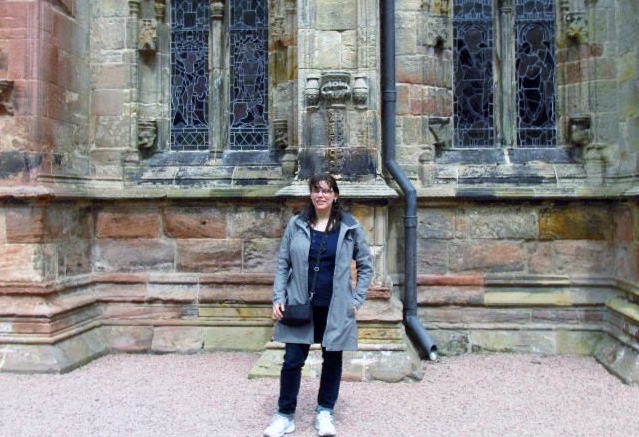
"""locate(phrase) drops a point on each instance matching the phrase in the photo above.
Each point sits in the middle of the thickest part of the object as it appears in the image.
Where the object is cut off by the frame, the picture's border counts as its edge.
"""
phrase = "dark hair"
(336, 210)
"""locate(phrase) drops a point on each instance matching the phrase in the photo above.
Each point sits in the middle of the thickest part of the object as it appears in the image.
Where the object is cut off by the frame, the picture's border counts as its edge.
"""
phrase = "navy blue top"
(324, 280)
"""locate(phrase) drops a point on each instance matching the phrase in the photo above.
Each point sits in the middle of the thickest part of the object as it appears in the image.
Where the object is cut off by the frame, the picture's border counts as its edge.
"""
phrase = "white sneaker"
(279, 426)
(324, 424)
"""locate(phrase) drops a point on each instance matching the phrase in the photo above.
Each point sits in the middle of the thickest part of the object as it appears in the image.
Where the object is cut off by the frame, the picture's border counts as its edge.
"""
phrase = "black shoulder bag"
(301, 314)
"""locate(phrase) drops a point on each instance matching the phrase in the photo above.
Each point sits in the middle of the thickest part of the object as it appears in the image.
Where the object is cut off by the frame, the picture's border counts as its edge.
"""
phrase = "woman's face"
(323, 196)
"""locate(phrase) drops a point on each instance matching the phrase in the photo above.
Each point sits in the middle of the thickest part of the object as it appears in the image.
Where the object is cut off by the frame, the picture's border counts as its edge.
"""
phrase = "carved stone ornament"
(148, 36)
(312, 91)
(360, 92)
(335, 89)
(6, 88)
(280, 134)
(575, 23)
(441, 129)
(576, 26)
(217, 10)
(147, 135)
(277, 30)
(134, 8)
(160, 10)
(579, 130)
(436, 31)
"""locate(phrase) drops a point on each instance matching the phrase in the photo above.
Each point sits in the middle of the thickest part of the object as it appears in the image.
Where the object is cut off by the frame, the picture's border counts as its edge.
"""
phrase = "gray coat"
(291, 282)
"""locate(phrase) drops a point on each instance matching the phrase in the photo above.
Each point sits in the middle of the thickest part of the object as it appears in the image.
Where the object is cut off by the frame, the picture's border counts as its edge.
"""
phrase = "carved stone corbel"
(280, 134)
(148, 36)
(217, 10)
(312, 92)
(575, 22)
(6, 89)
(437, 28)
(335, 90)
(360, 92)
(576, 26)
(441, 130)
(147, 135)
(579, 132)
(160, 10)
(134, 8)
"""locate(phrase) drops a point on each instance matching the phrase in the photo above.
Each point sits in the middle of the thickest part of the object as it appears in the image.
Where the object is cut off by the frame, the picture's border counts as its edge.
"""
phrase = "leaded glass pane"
(473, 80)
(535, 67)
(249, 55)
(189, 75)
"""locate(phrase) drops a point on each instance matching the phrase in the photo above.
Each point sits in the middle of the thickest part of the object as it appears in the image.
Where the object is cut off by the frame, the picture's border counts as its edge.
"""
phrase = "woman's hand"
(278, 310)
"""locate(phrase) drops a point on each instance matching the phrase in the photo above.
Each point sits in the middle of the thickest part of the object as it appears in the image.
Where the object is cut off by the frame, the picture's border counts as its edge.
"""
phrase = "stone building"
(151, 152)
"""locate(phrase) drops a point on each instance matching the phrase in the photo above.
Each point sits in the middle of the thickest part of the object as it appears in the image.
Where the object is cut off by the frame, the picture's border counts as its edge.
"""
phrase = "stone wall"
(106, 247)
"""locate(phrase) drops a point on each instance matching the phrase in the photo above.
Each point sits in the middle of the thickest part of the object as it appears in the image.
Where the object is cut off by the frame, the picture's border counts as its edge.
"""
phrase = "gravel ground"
(208, 395)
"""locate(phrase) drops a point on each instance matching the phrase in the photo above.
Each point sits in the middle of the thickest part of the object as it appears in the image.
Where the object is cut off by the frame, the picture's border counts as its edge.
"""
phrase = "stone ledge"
(371, 362)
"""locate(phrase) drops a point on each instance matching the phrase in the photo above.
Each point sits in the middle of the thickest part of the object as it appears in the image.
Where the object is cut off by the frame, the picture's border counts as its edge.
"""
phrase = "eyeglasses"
(318, 190)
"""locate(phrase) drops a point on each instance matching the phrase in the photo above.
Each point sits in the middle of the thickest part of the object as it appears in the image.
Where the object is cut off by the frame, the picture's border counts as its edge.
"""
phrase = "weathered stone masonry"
(111, 242)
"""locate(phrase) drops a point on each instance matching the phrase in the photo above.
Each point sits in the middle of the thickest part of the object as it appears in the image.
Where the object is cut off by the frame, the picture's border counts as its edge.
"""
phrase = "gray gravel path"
(210, 395)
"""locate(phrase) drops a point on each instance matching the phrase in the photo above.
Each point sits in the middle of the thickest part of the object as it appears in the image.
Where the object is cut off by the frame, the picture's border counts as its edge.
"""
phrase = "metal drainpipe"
(416, 331)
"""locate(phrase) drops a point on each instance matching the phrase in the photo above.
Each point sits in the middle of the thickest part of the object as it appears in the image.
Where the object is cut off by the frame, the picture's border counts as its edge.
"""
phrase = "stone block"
(128, 223)
(18, 262)
(250, 222)
(208, 255)
(524, 298)
(178, 339)
(112, 132)
(578, 342)
(60, 357)
(108, 103)
(25, 225)
(620, 359)
(432, 257)
(328, 43)
(451, 341)
(540, 258)
(363, 365)
(436, 223)
(529, 342)
(587, 222)
(172, 292)
(496, 316)
(487, 256)
(336, 15)
(194, 222)
(503, 223)
(238, 338)
(260, 255)
(450, 295)
(133, 255)
(583, 257)
(129, 338)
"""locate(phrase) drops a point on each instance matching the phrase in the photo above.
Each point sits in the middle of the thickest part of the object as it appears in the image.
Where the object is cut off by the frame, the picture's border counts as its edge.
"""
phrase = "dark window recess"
(248, 123)
(535, 67)
(189, 75)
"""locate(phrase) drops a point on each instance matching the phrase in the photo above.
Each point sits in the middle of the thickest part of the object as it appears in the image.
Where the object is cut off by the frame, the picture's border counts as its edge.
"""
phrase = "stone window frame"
(219, 70)
(505, 86)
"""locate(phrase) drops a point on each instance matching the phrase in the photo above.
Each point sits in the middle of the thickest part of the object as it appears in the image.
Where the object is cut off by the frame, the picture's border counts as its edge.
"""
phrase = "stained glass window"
(535, 65)
(189, 75)
(248, 114)
(475, 54)
(473, 82)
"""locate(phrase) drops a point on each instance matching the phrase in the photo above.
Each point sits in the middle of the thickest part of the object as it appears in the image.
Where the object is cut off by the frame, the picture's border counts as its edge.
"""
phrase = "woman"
(315, 254)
